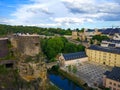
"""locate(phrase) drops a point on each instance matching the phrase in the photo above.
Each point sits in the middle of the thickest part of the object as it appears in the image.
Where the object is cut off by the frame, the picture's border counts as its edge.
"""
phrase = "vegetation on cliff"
(7, 29)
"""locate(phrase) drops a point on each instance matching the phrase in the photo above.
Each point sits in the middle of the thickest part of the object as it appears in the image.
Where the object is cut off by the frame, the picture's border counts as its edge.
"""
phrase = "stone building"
(113, 33)
(72, 58)
(74, 34)
(31, 63)
(104, 55)
(110, 43)
(26, 44)
(87, 34)
(111, 79)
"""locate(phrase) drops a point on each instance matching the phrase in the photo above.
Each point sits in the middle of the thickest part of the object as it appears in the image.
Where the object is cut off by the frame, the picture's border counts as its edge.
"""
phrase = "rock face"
(31, 64)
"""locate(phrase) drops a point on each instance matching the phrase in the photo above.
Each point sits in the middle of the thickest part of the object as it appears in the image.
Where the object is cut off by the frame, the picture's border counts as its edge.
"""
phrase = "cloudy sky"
(61, 13)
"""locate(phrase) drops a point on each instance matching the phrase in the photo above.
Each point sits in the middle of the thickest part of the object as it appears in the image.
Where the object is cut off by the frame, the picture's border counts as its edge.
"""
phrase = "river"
(62, 82)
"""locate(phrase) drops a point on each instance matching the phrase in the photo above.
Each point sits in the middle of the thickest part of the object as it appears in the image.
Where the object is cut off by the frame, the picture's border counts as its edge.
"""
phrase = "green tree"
(53, 47)
(69, 68)
(99, 37)
(74, 69)
(70, 48)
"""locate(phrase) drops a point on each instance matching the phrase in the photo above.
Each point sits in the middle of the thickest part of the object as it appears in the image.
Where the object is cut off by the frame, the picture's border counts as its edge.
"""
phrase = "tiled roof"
(112, 41)
(111, 45)
(100, 30)
(76, 55)
(105, 49)
(90, 30)
(114, 74)
(111, 31)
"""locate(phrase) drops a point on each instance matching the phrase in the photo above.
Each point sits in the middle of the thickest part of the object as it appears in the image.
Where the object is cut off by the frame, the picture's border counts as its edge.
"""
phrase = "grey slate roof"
(105, 49)
(114, 74)
(111, 31)
(112, 41)
(111, 45)
(76, 55)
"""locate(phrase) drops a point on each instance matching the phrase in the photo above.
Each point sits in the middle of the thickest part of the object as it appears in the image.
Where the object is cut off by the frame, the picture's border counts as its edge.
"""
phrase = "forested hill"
(8, 29)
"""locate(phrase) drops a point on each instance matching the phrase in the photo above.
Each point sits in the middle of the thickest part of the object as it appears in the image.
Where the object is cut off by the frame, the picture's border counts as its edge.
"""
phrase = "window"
(36, 44)
(110, 83)
(118, 85)
(114, 88)
(110, 87)
(114, 84)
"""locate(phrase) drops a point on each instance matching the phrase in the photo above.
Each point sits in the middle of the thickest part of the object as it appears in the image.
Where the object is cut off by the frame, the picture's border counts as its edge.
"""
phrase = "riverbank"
(75, 79)
(51, 86)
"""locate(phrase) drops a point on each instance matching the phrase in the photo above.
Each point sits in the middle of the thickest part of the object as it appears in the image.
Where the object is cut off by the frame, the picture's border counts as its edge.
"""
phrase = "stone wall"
(4, 50)
(26, 45)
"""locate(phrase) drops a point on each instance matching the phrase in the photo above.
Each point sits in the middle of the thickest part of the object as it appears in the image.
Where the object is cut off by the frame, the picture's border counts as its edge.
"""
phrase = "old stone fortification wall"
(26, 45)
(4, 50)
(30, 66)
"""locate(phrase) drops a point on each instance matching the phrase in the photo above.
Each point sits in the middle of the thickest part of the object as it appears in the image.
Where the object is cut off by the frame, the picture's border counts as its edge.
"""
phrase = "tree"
(70, 48)
(7, 29)
(82, 30)
(99, 37)
(74, 69)
(80, 48)
(69, 68)
(53, 47)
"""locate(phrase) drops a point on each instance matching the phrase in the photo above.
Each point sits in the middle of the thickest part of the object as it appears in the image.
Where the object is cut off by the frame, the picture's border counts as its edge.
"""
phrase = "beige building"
(72, 58)
(74, 34)
(110, 43)
(104, 55)
(111, 79)
(86, 34)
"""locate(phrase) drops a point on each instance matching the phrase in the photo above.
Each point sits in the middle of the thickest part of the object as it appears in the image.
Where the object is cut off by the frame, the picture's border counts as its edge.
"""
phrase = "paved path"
(91, 72)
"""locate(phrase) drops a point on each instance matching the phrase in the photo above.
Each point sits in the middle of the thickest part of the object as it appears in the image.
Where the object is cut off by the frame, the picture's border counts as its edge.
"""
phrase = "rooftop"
(27, 34)
(111, 45)
(111, 40)
(114, 74)
(105, 49)
(3, 38)
(76, 55)
(111, 31)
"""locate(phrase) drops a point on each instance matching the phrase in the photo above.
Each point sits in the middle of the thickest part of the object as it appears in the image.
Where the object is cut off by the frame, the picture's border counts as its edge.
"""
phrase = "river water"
(62, 82)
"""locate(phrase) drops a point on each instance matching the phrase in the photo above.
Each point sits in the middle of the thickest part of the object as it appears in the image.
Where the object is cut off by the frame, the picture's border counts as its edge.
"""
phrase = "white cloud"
(94, 8)
(63, 13)
(71, 20)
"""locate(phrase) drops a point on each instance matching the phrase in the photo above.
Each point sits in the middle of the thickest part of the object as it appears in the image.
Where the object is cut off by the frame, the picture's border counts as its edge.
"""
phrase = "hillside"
(8, 29)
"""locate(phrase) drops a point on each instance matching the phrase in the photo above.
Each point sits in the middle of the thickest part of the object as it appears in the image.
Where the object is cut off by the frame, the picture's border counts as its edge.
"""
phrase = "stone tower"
(31, 63)
(26, 44)
(74, 34)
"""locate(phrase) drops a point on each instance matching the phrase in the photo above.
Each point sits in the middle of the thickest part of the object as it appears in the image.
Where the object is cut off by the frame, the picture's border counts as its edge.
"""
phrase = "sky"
(61, 13)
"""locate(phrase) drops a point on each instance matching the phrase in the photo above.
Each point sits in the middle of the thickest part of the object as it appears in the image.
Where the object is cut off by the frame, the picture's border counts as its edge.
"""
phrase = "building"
(74, 34)
(110, 43)
(86, 34)
(112, 33)
(116, 36)
(111, 79)
(72, 58)
(26, 44)
(105, 55)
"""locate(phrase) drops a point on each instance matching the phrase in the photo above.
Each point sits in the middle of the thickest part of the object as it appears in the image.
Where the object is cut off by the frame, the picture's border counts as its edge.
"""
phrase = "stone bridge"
(50, 65)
